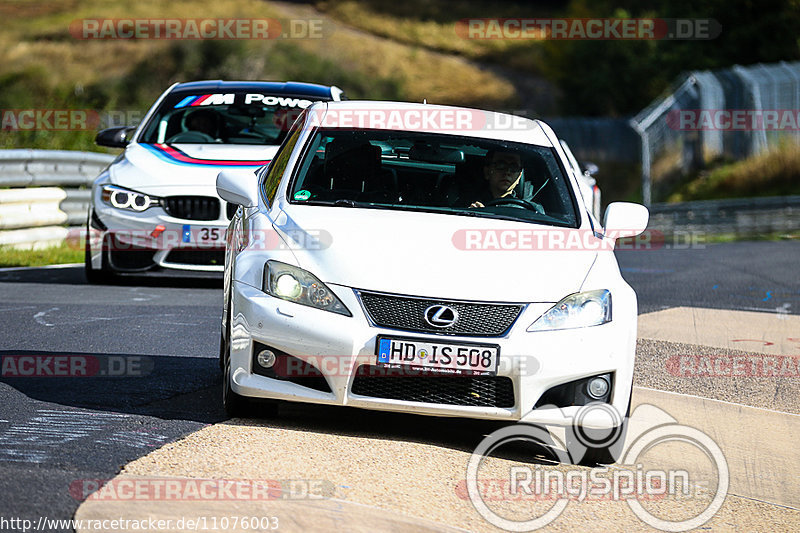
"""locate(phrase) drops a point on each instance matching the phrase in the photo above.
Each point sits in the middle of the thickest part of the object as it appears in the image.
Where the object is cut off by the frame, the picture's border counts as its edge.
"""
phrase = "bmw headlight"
(122, 198)
(580, 310)
(296, 285)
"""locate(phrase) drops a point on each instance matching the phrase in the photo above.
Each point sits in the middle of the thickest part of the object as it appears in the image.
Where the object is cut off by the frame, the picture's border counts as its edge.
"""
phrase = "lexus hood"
(435, 255)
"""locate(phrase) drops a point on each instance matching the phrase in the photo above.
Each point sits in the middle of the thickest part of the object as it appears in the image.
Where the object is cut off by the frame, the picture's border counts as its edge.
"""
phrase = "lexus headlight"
(580, 310)
(127, 199)
(296, 285)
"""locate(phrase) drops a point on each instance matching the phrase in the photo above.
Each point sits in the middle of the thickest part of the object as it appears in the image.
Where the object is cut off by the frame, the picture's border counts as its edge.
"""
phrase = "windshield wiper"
(338, 203)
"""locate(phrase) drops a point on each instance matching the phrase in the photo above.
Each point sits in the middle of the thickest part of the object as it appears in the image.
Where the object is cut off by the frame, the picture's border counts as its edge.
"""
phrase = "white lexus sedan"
(425, 259)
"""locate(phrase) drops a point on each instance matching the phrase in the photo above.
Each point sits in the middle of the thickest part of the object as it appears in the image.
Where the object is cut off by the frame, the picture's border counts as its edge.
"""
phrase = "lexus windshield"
(404, 170)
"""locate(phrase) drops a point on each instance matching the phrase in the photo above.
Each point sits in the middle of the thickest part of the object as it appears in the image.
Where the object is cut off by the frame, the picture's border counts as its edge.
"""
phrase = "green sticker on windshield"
(302, 195)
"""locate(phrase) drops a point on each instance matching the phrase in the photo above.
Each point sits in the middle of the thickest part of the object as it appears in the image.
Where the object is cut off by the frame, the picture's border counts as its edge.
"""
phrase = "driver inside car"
(203, 121)
(503, 173)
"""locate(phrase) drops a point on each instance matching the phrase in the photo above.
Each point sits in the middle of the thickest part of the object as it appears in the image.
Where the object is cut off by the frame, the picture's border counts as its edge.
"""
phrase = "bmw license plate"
(209, 235)
(417, 354)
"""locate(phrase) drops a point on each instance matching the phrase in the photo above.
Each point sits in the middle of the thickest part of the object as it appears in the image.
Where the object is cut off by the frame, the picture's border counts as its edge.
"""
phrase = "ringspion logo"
(546, 492)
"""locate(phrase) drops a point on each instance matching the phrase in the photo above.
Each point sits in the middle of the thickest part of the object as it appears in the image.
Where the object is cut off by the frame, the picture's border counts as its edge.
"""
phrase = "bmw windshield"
(404, 170)
(233, 117)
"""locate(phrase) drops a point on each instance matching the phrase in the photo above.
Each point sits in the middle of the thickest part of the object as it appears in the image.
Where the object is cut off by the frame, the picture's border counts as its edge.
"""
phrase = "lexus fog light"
(266, 358)
(597, 388)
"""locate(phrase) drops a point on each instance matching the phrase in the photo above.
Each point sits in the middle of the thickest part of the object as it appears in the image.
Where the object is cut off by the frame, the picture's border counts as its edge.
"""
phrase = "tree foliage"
(619, 77)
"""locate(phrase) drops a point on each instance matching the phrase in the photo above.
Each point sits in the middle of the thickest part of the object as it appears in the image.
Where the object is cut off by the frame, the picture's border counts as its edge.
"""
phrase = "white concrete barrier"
(43, 190)
(34, 238)
(31, 208)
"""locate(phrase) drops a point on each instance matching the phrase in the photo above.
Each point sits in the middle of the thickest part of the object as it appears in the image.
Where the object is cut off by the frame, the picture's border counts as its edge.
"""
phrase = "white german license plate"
(458, 358)
(210, 235)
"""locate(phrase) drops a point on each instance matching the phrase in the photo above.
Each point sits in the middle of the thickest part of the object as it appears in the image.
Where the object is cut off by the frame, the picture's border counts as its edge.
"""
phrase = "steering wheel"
(518, 202)
(192, 137)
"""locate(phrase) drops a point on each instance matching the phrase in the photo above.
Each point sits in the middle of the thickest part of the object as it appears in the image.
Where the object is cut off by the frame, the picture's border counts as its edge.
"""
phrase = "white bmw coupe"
(155, 210)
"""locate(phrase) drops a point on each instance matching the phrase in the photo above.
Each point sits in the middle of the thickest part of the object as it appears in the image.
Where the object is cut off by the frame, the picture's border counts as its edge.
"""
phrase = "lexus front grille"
(408, 313)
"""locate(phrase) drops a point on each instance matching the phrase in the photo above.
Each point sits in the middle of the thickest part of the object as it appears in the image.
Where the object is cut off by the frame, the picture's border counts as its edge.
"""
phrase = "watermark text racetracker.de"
(734, 119)
(531, 496)
(734, 366)
(41, 119)
(558, 239)
(201, 238)
(415, 361)
(199, 489)
(75, 366)
(198, 28)
(588, 29)
(431, 119)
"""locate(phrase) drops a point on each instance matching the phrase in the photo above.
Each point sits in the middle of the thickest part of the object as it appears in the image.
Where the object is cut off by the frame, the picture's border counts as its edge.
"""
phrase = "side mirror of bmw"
(117, 137)
(238, 186)
(625, 219)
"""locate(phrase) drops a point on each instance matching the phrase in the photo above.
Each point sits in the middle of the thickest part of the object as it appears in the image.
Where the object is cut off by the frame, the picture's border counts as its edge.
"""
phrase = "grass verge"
(773, 173)
(43, 66)
(737, 237)
(56, 255)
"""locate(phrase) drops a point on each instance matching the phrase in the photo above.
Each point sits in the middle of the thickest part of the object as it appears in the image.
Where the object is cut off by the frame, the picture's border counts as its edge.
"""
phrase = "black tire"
(223, 338)
(596, 446)
(222, 348)
(236, 405)
(602, 455)
(95, 277)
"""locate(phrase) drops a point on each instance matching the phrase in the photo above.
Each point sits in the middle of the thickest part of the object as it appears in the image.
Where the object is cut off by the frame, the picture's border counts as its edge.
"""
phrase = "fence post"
(759, 136)
(643, 124)
(645, 139)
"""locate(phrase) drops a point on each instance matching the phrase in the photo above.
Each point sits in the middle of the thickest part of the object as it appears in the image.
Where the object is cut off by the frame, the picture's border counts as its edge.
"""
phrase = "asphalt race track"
(56, 431)
(149, 348)
(753, 276)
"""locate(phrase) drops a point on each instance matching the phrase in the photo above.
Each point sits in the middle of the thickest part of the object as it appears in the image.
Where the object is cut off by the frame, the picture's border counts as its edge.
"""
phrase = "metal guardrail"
(743, 217)
(49, 189)
(43, 190)
(669, 145)
(60, 168)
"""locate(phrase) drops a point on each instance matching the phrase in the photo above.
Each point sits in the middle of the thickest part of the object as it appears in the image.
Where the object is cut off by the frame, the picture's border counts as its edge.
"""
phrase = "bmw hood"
(159, 169)
(436, 255)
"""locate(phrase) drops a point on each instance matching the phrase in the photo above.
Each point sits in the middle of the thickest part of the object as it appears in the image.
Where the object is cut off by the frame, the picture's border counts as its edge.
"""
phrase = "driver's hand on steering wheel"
(476, 204)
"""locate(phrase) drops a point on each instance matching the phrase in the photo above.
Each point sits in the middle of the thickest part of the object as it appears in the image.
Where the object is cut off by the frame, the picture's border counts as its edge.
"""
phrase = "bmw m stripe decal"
(206, 99)
(173, 155)
(186, 101)
(193, 100)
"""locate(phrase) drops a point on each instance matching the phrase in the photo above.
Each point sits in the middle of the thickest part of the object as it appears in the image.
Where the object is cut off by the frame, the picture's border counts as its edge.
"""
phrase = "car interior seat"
(354, 172)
